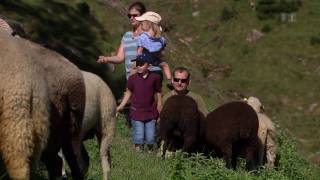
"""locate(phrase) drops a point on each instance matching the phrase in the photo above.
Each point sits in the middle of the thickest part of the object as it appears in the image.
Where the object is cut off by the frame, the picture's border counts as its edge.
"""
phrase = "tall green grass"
(127, 164)
(130, 165)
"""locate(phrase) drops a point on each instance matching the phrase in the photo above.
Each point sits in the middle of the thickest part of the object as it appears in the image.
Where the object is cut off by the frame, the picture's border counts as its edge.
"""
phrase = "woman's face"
(132, 14)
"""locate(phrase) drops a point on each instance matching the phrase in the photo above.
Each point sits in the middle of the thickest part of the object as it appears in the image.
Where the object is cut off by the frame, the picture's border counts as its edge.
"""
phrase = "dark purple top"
(143, 106)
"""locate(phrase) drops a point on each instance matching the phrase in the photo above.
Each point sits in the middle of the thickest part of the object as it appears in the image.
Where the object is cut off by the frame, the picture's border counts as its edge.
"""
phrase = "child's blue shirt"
(151, 44)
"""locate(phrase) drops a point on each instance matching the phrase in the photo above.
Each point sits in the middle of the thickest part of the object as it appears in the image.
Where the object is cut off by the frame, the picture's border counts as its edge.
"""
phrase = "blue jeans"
(143, 132)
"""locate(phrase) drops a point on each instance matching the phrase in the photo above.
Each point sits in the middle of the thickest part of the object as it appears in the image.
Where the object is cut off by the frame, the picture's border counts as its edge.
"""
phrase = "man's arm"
(200, 102)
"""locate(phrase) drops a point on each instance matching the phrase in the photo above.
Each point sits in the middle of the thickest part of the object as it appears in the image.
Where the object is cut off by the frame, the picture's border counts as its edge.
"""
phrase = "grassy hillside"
(282, 68)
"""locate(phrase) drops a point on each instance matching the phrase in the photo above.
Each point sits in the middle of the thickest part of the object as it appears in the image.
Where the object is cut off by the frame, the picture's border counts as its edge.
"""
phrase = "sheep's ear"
(245, 100)
(262, 108)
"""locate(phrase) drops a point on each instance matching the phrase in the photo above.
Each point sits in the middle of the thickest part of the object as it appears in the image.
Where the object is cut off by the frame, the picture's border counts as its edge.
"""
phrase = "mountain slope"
(209, 37)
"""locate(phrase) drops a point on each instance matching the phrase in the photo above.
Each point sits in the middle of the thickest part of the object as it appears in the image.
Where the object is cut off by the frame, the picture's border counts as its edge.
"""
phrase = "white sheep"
(99, 117)
(266, 133)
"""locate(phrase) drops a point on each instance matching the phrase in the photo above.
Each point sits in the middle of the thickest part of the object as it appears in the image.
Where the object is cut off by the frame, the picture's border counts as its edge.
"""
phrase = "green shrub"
(267, 9)
(205, 71)
(266, 28)
(245, 50)
(227, 14)
(290, 166)
(315, 40)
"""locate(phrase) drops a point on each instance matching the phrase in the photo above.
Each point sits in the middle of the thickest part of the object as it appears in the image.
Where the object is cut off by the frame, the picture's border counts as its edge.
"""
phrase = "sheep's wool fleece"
(24, 105)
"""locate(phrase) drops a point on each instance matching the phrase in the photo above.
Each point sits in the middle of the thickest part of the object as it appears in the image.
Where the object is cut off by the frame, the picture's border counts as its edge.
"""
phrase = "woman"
(128, 48)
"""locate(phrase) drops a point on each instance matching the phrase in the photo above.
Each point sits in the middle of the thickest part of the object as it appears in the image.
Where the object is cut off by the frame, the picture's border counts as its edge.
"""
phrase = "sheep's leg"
(271, 151)
(165, 148)
(53, 164)
(64, 173)
(234, 160)
(15, 159)
(17, 135)
(249, 163)
(188, 141)
(261, 152)
(250, 150)
(76, 160)
(227, 155)
(104, 142)
(73, 148)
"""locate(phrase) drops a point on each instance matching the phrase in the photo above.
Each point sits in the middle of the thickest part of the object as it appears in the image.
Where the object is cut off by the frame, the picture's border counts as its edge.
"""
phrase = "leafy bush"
(267, 9)
(290, 165)
(205, 71)
(266, 28)
(227, 14)
(315, 40)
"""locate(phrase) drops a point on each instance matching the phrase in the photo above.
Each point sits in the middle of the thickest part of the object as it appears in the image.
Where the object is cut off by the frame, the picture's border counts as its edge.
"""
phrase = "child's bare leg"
(166, 69)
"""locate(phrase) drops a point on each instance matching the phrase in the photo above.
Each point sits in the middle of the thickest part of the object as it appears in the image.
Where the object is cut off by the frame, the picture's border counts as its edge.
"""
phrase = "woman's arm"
(117, 59)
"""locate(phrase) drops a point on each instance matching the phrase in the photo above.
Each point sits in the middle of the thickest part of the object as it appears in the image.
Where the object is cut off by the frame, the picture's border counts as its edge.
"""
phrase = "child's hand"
(102, 59)
(119, 108)
(159, 107)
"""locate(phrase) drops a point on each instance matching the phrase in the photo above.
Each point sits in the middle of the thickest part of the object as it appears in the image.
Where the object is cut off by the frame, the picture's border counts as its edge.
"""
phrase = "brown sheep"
(179, 126)
(67, 96)
(231, 130)
(24, 110)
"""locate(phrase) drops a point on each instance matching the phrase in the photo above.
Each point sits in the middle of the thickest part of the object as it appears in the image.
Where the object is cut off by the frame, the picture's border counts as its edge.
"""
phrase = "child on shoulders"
(151, 42)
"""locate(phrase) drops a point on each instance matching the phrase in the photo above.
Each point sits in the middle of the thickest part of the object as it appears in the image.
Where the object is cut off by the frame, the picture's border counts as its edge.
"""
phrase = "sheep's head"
(255, 104)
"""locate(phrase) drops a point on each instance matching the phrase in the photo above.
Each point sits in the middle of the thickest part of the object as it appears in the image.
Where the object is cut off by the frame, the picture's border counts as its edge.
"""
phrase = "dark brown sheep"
(230, 131)
(179, 124)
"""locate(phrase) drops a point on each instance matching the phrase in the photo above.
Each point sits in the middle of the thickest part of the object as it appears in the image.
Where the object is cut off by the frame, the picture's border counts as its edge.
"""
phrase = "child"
(141, 90)
(151, 42)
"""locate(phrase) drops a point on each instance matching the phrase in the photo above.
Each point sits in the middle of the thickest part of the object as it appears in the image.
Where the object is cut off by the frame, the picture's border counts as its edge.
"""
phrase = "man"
(181, 81)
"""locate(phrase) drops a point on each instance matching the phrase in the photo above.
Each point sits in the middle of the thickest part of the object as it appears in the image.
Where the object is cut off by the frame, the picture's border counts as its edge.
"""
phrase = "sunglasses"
(132, 15)
(140, 63)
(181, 80)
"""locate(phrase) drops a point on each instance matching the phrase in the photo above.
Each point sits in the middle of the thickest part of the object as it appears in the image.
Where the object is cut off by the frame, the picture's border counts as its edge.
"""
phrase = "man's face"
(180, 81)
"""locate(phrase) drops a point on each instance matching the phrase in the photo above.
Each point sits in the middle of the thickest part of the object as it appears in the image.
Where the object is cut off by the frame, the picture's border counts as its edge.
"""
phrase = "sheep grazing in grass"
(266, 133)
(99, 117)
(24, 110)
(231, 131)
(179, 125)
